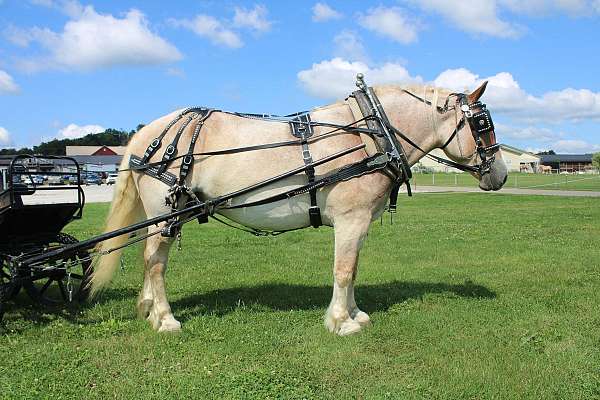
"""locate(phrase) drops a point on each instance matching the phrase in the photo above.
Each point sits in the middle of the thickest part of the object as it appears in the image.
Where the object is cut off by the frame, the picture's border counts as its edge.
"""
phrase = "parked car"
(112, 179)
(38, 179)
(55, 180)
(92, 179)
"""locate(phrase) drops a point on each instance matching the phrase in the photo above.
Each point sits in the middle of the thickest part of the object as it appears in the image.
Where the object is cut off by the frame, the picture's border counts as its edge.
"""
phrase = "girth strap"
(301, 128)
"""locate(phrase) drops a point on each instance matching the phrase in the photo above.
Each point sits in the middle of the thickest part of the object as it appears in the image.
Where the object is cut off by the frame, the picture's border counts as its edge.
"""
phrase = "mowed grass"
(472, 296)
(515, 180)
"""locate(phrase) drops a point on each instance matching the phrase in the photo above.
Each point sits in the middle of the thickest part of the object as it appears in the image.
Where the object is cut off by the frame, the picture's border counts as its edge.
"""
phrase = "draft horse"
(422, 117)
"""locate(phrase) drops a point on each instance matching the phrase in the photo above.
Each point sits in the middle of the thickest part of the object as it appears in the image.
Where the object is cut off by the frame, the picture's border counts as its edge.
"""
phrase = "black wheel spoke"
(46, 286)
(77, 276)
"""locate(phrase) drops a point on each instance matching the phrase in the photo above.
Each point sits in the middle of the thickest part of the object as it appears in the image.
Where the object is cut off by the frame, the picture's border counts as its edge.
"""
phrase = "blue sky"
(68, 68)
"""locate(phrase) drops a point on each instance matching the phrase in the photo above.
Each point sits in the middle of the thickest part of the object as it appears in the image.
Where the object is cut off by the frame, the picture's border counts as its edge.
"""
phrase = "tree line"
(57, 147)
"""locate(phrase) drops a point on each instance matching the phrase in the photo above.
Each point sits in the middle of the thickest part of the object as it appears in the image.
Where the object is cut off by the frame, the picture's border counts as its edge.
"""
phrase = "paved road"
(445, 189)
(93, 194)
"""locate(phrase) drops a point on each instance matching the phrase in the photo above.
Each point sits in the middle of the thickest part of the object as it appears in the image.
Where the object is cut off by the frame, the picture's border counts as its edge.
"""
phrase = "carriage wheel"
(9, 289)
(53, 290)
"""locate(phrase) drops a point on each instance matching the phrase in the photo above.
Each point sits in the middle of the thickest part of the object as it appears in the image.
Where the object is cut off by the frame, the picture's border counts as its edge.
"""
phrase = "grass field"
(515, 180)
(474, 297)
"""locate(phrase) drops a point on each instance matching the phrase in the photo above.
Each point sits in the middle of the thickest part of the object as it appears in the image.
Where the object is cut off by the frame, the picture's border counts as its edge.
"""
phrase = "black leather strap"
(156, 143)
(188, 159)
(376, 162)
(171, 150)
(302, 128)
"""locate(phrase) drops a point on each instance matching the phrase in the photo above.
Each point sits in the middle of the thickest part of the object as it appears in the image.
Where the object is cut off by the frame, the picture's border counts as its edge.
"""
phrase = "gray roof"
(555, 158)
(99, 160)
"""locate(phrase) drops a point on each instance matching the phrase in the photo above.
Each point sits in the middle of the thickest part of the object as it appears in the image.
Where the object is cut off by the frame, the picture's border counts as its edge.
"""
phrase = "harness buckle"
(187, 160)
(170, 150)
(306, 154)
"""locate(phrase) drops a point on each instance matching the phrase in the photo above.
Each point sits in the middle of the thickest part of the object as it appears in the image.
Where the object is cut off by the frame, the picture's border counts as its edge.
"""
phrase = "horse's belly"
(281, 215)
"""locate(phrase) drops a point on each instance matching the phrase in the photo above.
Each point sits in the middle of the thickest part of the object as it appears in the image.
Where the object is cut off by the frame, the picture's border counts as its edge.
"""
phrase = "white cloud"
(73, 131)
(323, 12)
(91, 40)
(4, 137)
(391, 22)
(480, 17)
(336, 78)
(538, 8)
(255, 19)
(212, 29)
(504, 95)
(574, 146)
(7, 84)
(349, 45)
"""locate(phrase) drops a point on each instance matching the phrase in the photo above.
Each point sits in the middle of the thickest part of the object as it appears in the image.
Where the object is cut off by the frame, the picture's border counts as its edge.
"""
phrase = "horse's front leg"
(343, 316)
(153, 294)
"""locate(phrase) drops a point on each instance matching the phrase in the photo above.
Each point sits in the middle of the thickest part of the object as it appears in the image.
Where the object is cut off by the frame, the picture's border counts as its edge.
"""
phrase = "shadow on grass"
(285, 297)
(25, 309)
(276, 296)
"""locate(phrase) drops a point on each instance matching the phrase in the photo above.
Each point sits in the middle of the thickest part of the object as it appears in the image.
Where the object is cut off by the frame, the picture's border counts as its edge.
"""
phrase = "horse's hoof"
(341, 327)
(362, 318)
(170, 325)
(349, 327)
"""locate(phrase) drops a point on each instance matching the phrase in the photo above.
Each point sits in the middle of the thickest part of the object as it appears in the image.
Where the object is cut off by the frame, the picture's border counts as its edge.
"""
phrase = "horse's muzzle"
(496, 177)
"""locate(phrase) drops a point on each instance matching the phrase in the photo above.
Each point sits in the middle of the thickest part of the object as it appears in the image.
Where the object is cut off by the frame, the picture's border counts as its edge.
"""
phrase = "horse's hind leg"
(153, 299)
(343, 316)
(146, 298)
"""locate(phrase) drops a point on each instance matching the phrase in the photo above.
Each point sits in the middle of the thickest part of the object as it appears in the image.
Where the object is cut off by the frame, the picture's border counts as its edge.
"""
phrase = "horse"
(348, 206)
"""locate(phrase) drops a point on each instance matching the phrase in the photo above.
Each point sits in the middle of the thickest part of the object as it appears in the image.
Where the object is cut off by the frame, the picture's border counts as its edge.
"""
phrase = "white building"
(516, 160)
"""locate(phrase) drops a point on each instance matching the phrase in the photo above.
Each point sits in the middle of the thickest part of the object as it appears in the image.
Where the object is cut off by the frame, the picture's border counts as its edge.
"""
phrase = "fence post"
(433, 179)
(516, 181)
(455, 180)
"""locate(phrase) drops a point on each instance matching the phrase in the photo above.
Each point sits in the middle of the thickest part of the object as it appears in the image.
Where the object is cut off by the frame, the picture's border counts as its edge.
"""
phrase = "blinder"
(482, 128)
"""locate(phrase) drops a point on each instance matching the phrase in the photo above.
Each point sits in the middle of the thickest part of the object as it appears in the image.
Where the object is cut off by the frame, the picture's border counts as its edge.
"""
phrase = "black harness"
(390, 157)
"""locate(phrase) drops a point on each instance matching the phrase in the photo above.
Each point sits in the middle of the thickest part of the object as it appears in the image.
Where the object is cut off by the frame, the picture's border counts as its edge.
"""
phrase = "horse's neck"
(413, 118)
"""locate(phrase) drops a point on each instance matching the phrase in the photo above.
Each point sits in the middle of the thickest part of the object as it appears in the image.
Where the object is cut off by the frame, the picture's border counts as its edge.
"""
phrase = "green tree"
(596, 160)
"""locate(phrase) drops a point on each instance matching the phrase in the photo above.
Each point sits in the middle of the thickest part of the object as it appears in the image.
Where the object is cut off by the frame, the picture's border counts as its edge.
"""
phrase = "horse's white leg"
(145, 299)
(155, 256)
(350, 231)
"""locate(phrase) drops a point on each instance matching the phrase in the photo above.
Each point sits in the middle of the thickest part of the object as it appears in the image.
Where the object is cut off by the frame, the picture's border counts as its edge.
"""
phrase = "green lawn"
(515, 180)
(472, 296)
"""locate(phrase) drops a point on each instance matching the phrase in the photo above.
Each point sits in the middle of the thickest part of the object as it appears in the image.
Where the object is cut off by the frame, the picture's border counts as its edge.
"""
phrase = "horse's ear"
(476, 95)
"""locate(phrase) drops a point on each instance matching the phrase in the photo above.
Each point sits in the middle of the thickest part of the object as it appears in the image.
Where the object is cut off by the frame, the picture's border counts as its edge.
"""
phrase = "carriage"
(31, 224)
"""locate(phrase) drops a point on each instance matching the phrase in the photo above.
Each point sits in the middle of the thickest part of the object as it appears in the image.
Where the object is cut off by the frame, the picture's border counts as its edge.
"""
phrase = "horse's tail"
(126, 209)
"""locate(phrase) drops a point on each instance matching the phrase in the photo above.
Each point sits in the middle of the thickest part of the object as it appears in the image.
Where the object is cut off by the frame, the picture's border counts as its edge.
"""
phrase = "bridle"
(480, 121)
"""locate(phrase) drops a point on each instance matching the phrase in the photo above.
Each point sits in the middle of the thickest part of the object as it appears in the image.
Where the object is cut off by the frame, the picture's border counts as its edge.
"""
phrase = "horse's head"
(473, 140)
